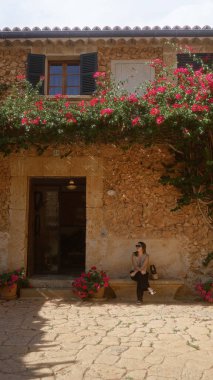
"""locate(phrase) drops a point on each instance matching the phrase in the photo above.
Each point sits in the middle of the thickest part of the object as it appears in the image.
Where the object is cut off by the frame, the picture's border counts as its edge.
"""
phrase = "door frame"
(46, 183)
(24, 167)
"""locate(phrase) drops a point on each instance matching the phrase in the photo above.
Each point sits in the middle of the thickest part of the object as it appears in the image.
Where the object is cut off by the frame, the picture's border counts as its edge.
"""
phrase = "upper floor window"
(187, 59)
(64, 78)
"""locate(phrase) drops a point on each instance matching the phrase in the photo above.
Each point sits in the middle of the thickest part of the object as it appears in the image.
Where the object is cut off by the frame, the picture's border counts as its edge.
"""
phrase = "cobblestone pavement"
(55, 339)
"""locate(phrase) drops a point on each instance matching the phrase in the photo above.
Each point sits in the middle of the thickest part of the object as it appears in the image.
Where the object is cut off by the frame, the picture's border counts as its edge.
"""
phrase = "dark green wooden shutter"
(88, 66)
(186, 59)
(36, 69)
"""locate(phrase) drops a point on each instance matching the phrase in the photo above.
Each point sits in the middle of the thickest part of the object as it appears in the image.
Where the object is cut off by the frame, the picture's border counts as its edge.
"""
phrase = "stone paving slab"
(58, 339)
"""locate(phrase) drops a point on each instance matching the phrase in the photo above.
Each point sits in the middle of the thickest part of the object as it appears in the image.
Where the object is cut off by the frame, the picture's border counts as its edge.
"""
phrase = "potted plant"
(205, 290)
(91, 284)
(8, 283)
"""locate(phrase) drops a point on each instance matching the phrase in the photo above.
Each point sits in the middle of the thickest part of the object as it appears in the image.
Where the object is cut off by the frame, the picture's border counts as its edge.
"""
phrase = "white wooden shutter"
(132, 72)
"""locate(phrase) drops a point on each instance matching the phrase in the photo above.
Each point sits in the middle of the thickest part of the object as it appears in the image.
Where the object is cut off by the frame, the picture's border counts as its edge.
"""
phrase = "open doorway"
(57, 226)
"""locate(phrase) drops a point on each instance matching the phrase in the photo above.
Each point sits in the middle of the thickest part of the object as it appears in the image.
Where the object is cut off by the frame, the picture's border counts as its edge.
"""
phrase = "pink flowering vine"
(175, 108)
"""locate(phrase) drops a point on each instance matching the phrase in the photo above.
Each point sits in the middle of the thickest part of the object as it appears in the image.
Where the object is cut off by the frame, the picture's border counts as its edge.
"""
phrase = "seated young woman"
(139, 273)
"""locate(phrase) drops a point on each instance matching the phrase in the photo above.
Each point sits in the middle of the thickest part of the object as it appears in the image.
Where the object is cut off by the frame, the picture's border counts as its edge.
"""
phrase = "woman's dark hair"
(143, 245)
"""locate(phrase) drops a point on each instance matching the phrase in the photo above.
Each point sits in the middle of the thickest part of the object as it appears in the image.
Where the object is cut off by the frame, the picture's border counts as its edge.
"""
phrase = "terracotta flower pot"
(99, 294)
(8, 293)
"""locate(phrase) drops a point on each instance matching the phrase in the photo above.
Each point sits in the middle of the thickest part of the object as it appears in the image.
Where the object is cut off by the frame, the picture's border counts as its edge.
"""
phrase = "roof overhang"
(107, 32)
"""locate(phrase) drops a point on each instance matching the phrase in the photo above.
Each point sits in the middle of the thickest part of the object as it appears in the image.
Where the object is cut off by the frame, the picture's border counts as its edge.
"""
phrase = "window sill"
(74, 98)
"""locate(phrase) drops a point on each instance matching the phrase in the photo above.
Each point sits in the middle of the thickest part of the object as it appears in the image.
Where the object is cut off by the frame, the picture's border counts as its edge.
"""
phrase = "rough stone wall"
(126, 51)
(12, 63)
(4, 211)
(132, 206)
(13, 54)
(137, 207)
(141, 49)
(141, 208)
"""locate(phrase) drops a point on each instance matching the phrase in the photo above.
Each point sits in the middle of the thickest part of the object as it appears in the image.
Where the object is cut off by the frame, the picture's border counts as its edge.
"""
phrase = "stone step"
(64, 293)
(53, 282)
(125, 289)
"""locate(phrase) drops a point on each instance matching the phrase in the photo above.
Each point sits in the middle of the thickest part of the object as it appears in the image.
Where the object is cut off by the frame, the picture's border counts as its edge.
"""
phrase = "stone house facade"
(62, 215)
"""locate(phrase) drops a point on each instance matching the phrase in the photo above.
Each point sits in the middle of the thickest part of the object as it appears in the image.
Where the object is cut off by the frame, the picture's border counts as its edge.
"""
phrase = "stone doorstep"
(47, 293)
(124, 289)
(51, 282)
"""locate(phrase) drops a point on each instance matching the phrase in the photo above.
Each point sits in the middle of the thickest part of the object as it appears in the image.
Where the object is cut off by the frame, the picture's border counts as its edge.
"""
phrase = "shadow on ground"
(26, 337)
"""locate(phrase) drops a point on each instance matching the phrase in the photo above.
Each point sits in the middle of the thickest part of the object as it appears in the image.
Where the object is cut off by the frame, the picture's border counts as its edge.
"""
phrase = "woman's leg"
(139, 291)
(139, 279)
(150, 290)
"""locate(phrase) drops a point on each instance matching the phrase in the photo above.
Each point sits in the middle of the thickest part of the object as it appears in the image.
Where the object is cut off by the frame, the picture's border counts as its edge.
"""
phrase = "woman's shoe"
(151, 291)
(139, 302)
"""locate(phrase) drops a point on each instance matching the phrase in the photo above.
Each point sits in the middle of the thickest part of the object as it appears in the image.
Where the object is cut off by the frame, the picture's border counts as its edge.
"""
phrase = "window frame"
(64, 64)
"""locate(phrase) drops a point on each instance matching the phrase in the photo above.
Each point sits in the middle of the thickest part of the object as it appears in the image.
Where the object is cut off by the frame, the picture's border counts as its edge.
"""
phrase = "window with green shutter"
(187, 59)
(88, 66)
(36, 69)
(66, 77)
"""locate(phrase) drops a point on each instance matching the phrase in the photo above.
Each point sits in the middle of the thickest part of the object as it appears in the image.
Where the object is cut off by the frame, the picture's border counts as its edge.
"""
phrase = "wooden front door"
(57, 228)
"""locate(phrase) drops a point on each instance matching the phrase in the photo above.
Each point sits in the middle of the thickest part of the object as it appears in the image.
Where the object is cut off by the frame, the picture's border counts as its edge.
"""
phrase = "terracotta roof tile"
(107, 31)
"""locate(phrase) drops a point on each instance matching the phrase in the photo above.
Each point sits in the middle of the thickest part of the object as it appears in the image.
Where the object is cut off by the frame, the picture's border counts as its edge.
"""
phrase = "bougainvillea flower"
(21, 77)
(39, 105)
(136, 121)
(157, 62)
(93, 102)
(154, 111)
(106, 111)
(160, 119)
(99, 74)
(24, 121)
(132, 98)
(181, 70)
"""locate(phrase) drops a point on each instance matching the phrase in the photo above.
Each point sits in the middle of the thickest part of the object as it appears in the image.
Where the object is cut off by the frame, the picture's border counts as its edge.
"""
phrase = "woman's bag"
(153, 271)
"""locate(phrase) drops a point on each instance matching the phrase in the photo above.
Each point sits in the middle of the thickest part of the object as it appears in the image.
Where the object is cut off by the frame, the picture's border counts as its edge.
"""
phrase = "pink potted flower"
(91, 284)
(8, 283)
(205, 290)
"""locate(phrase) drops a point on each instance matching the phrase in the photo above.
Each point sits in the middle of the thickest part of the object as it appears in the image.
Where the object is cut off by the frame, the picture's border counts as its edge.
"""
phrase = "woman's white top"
(138, 261)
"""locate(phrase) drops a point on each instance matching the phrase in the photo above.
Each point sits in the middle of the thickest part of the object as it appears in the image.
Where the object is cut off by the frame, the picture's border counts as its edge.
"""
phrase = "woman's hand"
(143, 271)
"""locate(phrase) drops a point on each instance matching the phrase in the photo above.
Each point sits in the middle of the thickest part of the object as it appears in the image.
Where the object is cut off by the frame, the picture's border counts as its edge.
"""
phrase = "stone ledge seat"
(124, 288)
(165, 288)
